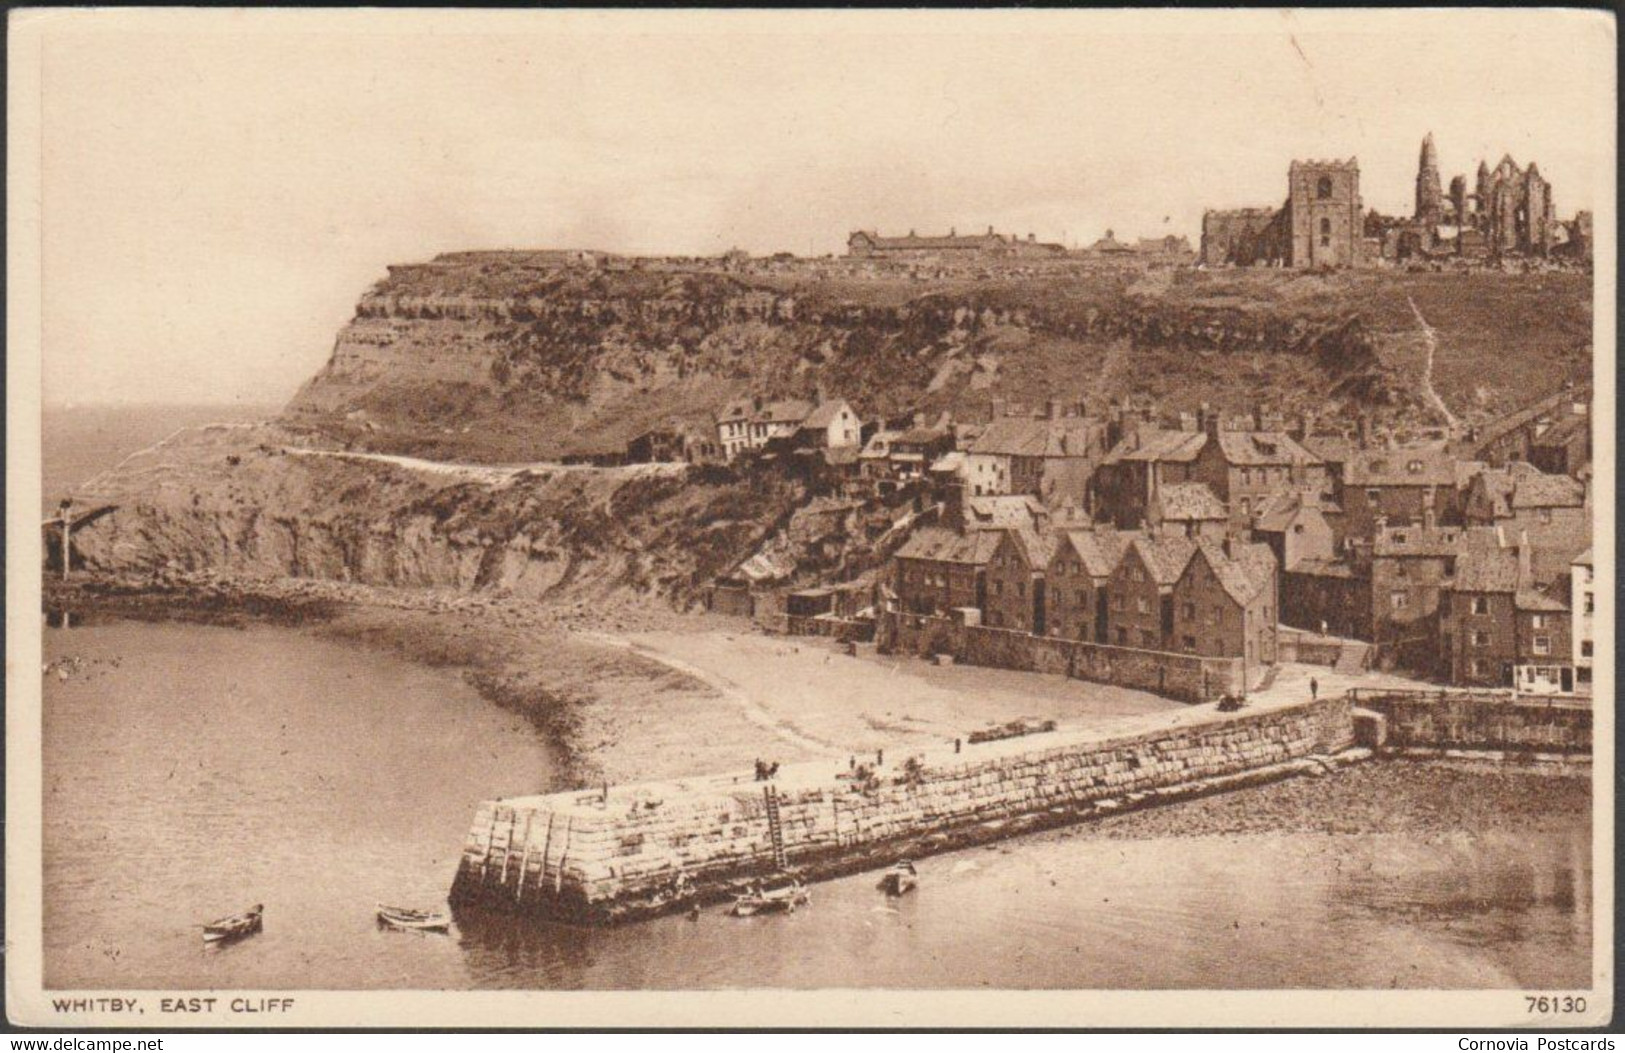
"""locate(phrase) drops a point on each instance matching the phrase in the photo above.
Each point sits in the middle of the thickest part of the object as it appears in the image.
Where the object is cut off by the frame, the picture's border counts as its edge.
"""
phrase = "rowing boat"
(408, 918)
(236, 926)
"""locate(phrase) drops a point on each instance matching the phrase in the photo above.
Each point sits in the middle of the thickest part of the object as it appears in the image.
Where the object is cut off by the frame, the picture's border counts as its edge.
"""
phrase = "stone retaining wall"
(1187, 677)
(594, 857)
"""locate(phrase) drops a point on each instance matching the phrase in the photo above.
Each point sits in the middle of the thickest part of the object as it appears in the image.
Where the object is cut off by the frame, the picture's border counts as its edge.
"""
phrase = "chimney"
(990, 230)
(1209, 420)
(1229, 545)
(1258, 417)
(1525, 568)
(953, 507)
(952, 233)
(1032, 237)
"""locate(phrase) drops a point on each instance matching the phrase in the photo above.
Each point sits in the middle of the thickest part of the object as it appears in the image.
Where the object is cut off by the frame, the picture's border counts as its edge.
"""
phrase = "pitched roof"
(1338, 448)
(1002, 510)
(1584, 558)
(1188, 502)
(1503, 426)
(1526, 599)
(1243, 574)
(1158, 444)
(1548, 491)
(785, 411)
(1164, 557)
(879, 444)
(1487, 570)
(913, 241)
(1263, 447)
(1099, 550)
(1039, 437)
(1406, 466)
(946, 546)
(1036, 548)
(823, 415)
(1323, 568)
(1415, 540)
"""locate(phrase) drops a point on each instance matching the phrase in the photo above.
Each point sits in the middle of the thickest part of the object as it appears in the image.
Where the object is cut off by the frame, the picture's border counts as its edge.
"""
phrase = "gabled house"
(1140, 607)
(831, 425)
(1224, 603)
(1248, 468)
(1043, 456)
(1296, 529)
(1015, 581)
(1583, 608)
(750, 424)
(1075, 582)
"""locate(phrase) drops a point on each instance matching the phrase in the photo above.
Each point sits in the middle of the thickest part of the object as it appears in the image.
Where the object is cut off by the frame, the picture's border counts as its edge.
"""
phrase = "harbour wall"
(618, 853)
(1186, 677)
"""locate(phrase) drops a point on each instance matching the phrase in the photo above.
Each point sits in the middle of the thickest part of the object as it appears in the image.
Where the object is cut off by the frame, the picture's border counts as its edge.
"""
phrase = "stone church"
(1321, 225)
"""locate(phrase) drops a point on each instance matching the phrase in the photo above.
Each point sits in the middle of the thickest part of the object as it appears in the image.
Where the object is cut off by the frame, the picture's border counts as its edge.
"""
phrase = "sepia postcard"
(942, 519)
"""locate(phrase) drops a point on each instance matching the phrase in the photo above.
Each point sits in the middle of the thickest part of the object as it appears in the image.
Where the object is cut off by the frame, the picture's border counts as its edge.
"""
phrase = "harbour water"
(192, 771)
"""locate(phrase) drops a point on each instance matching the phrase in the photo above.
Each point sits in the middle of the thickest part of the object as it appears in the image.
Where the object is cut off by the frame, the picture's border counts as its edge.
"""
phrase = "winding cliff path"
(491, 475)
(753, 711)
(1432, 340)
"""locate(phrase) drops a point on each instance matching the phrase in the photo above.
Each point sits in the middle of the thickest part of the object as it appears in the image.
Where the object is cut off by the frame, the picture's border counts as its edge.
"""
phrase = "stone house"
(1551, 510)
(1399, 486)
(1043, 456)
(938, 570)
(675, 441)
(831, 424)
(1145, 460)
(1333, 593)
(1497, 629)
(1225, 603)
(1411, 567)
(1014, 597)
(750, 424)
(1248, 468)
(1188, 510)
(1075, 582)
(1296, 529)
(1140, 607)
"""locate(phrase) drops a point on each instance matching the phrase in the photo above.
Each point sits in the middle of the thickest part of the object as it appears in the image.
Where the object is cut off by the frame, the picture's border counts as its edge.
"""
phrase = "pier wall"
(594, 857)
(1187, 677)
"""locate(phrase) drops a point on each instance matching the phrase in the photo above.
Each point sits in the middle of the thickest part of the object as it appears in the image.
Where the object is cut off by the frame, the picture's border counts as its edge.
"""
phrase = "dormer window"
(1414, 467)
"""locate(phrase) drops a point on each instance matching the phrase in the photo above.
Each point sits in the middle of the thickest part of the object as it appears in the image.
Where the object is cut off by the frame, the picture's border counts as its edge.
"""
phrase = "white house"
(1583, 602)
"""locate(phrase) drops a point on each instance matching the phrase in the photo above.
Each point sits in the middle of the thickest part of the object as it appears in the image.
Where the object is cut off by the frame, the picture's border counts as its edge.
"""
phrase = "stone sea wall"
(618, 853)
(1480, 720)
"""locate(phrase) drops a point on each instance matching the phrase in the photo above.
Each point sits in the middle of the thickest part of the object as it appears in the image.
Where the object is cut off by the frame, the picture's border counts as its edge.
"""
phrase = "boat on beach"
(236, 926)
(901, 878)
(784, 899)
(409, 918)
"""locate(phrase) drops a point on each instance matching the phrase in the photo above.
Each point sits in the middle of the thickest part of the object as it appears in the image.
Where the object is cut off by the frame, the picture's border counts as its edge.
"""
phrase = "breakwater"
(1420, 722)
(623, 852)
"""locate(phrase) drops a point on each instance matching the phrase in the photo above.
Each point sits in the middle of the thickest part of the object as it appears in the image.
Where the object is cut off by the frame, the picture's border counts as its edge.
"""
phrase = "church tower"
(1429, 192)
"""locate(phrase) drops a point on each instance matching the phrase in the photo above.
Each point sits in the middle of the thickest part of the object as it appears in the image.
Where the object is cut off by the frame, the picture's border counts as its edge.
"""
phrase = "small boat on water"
(901, 878)
(408, 918)
(784, 899)
(235, 927)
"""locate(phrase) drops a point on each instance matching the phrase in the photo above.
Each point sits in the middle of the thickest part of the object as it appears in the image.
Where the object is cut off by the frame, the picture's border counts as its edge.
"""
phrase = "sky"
(219, 188)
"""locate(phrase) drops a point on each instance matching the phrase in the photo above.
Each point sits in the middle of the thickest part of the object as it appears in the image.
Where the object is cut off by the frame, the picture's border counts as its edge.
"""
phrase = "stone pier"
(593, 857)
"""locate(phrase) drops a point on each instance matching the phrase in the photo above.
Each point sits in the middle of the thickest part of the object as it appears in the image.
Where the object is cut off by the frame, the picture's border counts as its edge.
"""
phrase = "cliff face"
(244, 502)
(494, 356)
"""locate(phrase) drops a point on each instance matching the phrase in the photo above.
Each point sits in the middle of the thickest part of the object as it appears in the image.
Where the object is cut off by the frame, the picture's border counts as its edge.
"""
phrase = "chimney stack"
(1525, 567)
(1208, 419)
(1229, 545)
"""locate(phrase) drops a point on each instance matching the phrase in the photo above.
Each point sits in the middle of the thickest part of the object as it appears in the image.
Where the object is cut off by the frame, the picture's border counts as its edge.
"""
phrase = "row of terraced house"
(1464, 557)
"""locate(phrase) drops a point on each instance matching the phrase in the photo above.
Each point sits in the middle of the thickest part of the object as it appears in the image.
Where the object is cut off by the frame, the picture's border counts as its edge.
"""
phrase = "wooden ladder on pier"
(775, 826)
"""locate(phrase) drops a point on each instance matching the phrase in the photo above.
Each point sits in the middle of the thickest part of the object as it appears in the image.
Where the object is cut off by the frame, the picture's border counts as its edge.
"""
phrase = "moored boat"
(901, 878)
(236, 926)
(784, 899)
(409, 918)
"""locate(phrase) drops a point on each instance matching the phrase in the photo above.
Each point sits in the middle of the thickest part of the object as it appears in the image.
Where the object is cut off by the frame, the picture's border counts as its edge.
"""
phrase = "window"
(1546, 516)
(1246, 507)
(1591, 604)
(1537, 621)
(1481, 638)
(1136, 574)
(1481, 605)
(1476, 666)
(1373, 494)
(1122, 636)
(998, 588)
(1081, 596)
(1323, 190)
(1543, 645)
(1021, 589)
(1585, 648)
(1399, 599)
(1413, 467)
(1148, 638)
(1591, 575)
(1141, 606)
(1189, 642)
(1189, 610)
